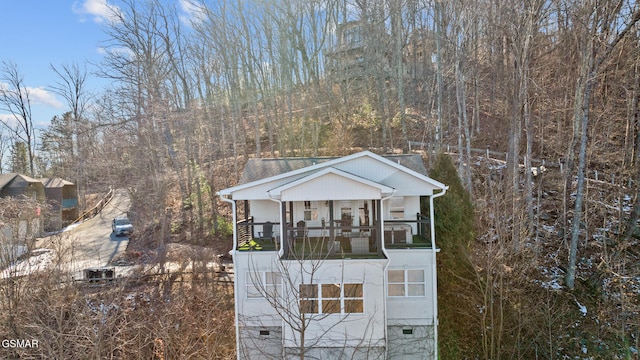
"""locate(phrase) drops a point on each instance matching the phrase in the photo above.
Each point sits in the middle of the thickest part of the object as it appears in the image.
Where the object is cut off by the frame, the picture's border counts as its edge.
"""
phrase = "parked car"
(121, 226)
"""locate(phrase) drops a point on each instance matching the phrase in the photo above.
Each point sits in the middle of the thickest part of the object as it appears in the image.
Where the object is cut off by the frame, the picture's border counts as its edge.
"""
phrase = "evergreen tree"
(454, 222)
(57, 147)
(20, 158)
(454, 212)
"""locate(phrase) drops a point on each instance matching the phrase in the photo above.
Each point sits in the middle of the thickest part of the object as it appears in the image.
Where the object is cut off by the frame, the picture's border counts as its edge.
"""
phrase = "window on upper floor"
(331, 298)
(406, 283)
(263, 283)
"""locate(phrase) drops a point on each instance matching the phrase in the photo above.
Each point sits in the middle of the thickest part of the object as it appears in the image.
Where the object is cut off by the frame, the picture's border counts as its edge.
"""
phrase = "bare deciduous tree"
(603, 20)
(15, 99)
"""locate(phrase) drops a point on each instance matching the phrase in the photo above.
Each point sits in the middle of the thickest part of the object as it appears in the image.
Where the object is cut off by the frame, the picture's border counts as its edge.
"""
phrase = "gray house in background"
(62, 197)
(17, 232)
(13, 184)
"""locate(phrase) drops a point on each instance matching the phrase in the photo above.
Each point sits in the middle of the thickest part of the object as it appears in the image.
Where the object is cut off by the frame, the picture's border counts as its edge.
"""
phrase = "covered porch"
(355, 211)
(349, 229)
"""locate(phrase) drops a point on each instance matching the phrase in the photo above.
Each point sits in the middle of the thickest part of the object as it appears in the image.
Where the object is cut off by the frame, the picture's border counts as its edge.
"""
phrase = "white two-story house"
(335, 258)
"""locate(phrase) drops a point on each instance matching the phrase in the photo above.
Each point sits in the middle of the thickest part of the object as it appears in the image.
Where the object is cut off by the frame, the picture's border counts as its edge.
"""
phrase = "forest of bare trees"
(201, 86)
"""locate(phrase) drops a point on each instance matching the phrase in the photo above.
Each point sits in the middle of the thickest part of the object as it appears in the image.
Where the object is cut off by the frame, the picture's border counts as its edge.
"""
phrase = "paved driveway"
(90, 244)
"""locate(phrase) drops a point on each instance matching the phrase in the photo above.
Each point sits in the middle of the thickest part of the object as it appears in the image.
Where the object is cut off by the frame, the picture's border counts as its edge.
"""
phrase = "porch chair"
(300, 233)
(267, 232)
(345, 225)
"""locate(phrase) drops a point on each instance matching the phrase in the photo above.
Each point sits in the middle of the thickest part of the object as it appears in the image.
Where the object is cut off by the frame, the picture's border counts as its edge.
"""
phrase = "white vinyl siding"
(263, 283)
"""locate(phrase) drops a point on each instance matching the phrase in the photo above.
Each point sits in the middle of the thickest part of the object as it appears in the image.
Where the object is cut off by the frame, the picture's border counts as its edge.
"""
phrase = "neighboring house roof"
(13, 184)
(5, 179)
(55, 182)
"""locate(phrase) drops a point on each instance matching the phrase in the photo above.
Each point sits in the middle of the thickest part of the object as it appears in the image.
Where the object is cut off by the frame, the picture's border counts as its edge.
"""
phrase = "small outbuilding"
(62, 198)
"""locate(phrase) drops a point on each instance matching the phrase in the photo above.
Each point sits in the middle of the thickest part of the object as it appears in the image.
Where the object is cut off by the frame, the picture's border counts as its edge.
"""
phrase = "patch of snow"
(551, 285)
(554, 275)
(71, 227)
(39, 260)
(499, 166)
(68, 228)
(583, 309)
(549, 228)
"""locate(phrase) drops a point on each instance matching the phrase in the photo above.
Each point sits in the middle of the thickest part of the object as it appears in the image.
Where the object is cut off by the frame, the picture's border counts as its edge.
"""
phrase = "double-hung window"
(332, 298)
(263, 283)
(406, 283)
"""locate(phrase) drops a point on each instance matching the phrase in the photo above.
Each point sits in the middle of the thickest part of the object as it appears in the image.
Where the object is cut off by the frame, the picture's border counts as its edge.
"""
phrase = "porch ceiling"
(330, 184)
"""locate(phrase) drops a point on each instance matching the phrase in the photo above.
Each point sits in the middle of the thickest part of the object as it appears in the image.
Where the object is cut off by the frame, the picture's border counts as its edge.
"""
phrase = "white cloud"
(192, 12)
(99, 10)
(7, 118)
(40, 95)
(37, 95)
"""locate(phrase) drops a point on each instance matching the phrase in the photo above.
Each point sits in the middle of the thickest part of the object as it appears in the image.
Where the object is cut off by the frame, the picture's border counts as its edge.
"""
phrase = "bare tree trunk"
(397, 30)
(600, 24)
(440, 84)
(464, 141)
(583, 93)
(15, 99)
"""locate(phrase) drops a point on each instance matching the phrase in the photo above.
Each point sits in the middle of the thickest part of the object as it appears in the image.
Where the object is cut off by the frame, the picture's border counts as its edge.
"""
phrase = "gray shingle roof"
(6, 179)
(55, 182)
(257, 169)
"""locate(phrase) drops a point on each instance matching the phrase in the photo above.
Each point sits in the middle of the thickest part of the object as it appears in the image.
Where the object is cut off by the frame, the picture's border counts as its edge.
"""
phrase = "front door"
(355, 212)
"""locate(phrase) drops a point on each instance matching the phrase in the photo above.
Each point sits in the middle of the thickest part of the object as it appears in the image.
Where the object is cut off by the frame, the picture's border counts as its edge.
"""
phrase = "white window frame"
(320, 300)
(261, 283)
(408, 285)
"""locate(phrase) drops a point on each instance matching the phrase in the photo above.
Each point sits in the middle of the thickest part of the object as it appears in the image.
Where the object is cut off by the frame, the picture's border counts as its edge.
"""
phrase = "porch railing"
(256, 235)
(334, 239)
(244, 231)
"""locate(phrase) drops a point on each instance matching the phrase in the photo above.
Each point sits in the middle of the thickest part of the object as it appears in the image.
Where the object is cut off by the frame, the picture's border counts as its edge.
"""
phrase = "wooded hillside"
(553, 83)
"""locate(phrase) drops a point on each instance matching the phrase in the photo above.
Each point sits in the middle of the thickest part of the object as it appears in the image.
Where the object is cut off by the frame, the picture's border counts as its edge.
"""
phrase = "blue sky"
(36, 34)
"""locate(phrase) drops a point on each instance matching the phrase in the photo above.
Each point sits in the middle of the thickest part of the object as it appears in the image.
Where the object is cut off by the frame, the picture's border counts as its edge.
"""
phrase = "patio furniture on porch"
(359, 245)
(300, 231)
(344, 225)
(267, 232)
(397, 234)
